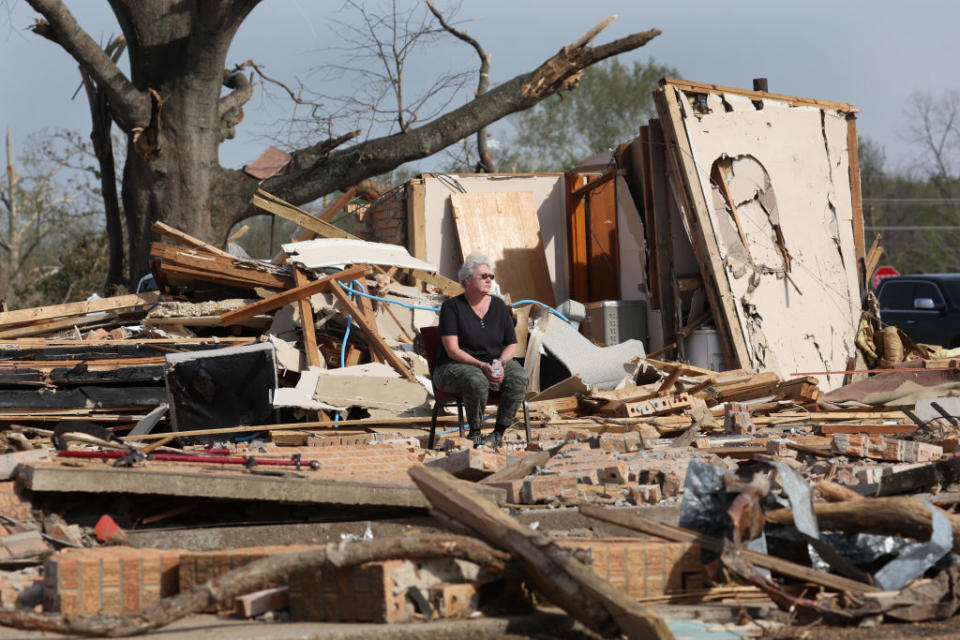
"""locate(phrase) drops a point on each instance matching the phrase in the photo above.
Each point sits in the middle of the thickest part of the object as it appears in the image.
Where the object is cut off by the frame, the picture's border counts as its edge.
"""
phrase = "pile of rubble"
(253, 438)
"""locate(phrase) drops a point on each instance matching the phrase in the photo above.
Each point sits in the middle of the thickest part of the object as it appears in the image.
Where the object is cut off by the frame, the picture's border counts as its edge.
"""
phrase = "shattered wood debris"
(253, 436)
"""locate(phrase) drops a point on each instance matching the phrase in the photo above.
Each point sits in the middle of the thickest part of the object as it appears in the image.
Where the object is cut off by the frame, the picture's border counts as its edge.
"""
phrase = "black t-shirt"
(483, 339)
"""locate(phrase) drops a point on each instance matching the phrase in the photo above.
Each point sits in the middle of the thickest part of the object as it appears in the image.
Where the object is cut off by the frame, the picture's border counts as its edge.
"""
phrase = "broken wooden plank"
(552, 570)
(504, 226)
(291, 295)
(340, 425)
(307, 329)
(278, 207)
(372, 334)
(636, 522)
(40, 328)
(33, 314)
(688, 191)
(259, 602)
(188, 240)
(796, 101)
(231, 271)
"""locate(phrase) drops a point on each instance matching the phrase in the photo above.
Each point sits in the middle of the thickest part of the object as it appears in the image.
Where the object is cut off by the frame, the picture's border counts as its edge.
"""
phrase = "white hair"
(470, 264)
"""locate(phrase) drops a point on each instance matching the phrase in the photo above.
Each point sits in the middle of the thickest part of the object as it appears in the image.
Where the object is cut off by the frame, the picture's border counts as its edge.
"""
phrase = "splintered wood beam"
(40, 328)
(371, 335)
(327, 214)
(306, 323)
(291, 295)
(38, 314)
(366, 306)
(278, 207)
(188, 240)
(636, 522)
(552, 570)
(443, 283)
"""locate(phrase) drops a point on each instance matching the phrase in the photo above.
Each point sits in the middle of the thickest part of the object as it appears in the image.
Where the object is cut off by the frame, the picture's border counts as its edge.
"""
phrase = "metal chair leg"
(433, 425)
(526, 419)
(460, 416)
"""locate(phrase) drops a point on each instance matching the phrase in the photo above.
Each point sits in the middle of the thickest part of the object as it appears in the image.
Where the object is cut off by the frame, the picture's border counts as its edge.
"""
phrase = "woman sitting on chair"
(479, 343)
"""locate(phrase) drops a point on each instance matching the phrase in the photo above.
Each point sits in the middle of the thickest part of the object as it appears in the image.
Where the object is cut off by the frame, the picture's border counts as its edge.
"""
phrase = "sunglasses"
(485, 276)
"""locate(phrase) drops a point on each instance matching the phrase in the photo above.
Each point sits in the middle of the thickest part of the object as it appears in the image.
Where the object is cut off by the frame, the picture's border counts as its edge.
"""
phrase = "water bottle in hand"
(497, 371)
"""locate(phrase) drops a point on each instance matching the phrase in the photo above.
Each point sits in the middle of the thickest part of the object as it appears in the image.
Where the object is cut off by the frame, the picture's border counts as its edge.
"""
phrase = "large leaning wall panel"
(774, 178)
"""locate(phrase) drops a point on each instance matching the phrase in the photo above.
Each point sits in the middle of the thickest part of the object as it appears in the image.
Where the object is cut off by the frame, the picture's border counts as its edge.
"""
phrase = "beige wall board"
(786, 167)
(632, 246)
(549, 200)
(329, 252)
(504, 227)
(373, 391)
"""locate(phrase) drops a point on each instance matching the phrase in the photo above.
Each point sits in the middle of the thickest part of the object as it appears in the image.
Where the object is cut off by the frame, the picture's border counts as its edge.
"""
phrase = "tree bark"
(257, 575)
(100, 136)
(175, 118)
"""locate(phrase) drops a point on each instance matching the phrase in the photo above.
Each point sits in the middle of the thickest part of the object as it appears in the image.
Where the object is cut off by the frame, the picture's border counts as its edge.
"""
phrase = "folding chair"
(431, 345)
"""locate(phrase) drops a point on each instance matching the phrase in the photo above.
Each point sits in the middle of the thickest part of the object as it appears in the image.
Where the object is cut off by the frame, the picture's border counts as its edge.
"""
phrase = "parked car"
(925, 306)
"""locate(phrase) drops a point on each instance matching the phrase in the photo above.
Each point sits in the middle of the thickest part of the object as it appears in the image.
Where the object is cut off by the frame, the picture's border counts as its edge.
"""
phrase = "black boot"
(495, 439)
(475, 436)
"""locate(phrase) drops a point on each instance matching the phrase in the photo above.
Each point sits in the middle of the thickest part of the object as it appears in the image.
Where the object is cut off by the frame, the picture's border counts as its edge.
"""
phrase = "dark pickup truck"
(926, 307)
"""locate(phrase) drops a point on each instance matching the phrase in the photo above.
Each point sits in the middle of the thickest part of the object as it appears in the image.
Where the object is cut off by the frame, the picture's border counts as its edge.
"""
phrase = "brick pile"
(109, 580)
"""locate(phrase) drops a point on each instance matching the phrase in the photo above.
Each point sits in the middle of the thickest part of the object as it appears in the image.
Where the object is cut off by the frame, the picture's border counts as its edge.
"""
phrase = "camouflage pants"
(470, 382)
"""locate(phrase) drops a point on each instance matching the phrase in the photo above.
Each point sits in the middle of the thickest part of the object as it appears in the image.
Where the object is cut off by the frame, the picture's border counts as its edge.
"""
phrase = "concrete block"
(25, 545)
(10, 461)
(513, 489)
(779, 447)
(454, 599)
(470, 464)
(646, 494)
(545, 488)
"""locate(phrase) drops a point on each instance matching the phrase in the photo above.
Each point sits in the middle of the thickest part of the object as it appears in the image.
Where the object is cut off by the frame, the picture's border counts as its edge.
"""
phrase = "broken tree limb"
(887, 516)
(291, 295)
(637, 522)
(257, 575)
(129, 105)
(346, 167)
(553, 571)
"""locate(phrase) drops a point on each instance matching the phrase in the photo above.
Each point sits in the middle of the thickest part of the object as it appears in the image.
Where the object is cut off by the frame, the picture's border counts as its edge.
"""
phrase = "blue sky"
(872, 54)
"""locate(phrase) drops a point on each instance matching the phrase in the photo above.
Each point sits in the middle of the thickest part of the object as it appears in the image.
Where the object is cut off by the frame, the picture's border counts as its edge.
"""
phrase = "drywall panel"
(632, 246)
(504, 227)
(442, 248)
(776, 185)
(328, 252)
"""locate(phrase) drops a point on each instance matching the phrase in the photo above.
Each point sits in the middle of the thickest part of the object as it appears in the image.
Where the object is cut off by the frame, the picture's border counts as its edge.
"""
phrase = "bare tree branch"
(130, 107)
(345, 168)
(257, 575)
(485, 162)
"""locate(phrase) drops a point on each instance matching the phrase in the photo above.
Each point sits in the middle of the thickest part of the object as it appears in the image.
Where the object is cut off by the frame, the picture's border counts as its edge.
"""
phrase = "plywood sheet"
(549, 197)
(504, 227)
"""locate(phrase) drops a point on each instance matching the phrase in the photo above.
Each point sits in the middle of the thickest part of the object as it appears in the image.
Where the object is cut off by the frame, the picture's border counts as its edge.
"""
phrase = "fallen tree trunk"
(887, 516)
(550, 569)
(257, 575)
